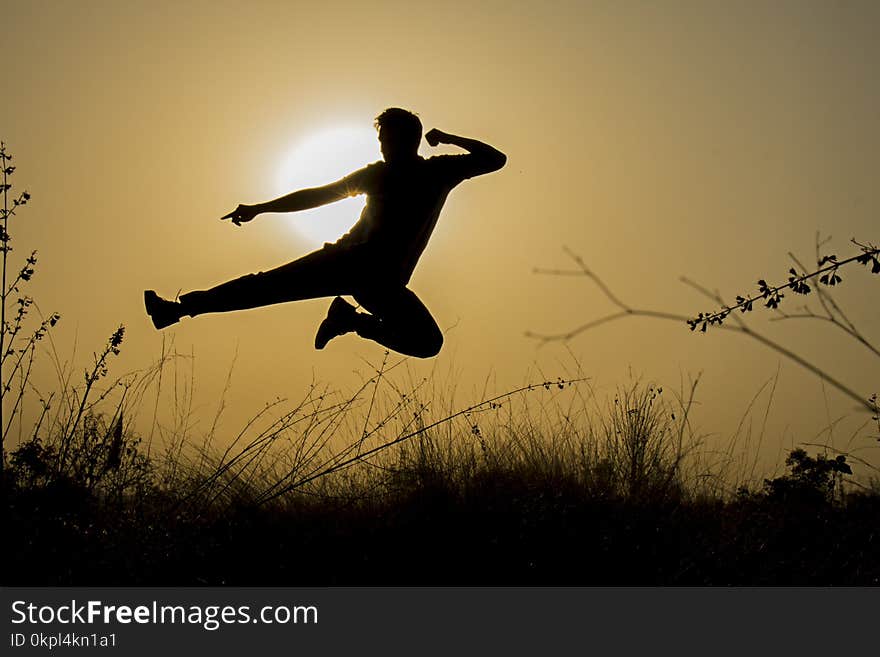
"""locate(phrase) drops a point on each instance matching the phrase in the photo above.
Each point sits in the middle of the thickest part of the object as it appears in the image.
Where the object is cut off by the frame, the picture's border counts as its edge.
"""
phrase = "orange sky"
(657, 140)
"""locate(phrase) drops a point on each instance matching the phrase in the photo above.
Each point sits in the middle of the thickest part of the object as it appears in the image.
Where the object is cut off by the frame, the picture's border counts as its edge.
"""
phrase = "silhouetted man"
(373, 262)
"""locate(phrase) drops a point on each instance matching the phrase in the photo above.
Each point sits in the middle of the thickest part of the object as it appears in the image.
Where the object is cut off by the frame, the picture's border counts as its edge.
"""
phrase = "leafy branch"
(16, 359)
(827, 274)
(19, 340)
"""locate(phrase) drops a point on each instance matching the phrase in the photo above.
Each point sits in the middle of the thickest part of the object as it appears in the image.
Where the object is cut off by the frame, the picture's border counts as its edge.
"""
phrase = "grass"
(398, 483)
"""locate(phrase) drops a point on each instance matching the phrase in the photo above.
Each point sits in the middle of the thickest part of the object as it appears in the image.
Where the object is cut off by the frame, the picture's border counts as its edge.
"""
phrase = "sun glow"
(324, 157)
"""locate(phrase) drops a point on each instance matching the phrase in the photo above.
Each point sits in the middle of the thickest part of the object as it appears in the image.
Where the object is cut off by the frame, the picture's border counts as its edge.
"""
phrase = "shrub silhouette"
(811, 480)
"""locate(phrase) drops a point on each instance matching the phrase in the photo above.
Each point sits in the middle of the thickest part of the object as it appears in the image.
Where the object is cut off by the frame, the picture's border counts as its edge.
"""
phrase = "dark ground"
(498, 531)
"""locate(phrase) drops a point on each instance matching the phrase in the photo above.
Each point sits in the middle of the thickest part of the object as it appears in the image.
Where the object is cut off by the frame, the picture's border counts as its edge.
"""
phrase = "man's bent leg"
(323, 273)
(399, 321)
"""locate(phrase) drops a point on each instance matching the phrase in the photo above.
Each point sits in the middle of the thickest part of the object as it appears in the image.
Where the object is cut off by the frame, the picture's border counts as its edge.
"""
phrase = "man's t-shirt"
(403, 203)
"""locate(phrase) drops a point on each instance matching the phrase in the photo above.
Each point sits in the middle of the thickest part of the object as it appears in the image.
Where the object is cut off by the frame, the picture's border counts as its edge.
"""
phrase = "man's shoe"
(340, 319)
(161, 311)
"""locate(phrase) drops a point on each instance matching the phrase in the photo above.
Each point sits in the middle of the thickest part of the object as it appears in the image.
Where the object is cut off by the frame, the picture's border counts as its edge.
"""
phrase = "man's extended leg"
(323, 273)
(326, 272)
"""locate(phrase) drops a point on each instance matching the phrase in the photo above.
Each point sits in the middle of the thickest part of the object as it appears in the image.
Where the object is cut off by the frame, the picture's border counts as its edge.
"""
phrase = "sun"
(323, 157)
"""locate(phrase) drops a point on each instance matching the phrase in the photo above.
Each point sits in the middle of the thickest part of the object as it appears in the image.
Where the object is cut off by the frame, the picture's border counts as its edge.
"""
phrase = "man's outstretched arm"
(303, 199)
(487, 158)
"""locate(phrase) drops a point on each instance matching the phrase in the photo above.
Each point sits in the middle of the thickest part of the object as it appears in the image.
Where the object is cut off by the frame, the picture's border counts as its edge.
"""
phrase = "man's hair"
(403, 124)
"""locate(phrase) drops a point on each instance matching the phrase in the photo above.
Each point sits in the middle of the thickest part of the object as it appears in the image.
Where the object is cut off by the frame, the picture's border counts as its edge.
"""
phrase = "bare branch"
(740, 327)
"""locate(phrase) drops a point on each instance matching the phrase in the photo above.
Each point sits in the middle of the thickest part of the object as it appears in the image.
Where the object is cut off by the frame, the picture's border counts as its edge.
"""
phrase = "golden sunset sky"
(655, 139)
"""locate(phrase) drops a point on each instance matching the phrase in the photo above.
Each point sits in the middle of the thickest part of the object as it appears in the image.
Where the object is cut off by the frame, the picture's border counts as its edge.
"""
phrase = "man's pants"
(398, 319)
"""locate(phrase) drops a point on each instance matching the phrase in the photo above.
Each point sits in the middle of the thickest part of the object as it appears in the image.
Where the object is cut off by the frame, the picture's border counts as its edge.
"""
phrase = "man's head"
(400, 132)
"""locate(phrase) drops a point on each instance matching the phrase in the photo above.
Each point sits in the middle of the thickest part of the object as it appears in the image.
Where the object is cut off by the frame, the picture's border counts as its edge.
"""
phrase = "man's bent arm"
(490, 157)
